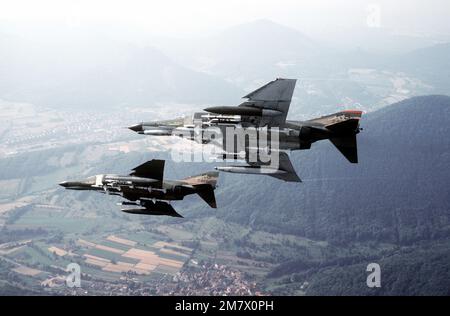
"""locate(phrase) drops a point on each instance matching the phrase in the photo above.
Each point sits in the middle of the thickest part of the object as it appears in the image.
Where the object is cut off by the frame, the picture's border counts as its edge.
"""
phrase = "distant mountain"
(377, 40)
(330, 77)
(430, 64)
(258, 50)
(418, 270)
(398, 193)
(392, 208)
(89, 70)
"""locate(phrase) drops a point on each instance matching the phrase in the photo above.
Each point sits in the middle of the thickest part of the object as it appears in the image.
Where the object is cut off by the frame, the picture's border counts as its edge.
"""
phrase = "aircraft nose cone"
(136, 128)
(64, 184)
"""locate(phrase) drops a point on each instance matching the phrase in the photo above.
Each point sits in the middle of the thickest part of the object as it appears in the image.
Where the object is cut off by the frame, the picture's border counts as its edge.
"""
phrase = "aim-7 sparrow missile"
(145, 188)
(242, 110)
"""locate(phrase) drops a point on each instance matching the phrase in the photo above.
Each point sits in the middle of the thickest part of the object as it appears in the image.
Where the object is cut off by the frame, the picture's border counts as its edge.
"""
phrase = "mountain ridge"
(337, 203)
(101, 73)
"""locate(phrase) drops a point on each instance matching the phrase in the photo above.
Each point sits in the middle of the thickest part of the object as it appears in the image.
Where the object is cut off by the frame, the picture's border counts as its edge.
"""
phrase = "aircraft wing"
(266, 106)
(274, 98)
(283, 171)
(285, 168)
(153, 169)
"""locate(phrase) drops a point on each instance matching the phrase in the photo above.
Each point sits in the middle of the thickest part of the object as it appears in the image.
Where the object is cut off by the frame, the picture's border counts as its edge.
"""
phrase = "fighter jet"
(145, 188)
(268, 107)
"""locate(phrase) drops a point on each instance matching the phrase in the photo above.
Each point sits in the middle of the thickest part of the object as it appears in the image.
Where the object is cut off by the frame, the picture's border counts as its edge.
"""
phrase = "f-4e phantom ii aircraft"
(144, 187)
(267, 107)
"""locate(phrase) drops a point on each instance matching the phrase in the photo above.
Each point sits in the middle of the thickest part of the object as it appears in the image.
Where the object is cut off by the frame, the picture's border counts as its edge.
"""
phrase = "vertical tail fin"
(205, 185)
(344, 138)
(206, 192)
(347, 145)
(343, 126)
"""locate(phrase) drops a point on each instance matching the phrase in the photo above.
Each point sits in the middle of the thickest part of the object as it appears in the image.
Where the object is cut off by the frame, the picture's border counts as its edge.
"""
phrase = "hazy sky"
(199, 17)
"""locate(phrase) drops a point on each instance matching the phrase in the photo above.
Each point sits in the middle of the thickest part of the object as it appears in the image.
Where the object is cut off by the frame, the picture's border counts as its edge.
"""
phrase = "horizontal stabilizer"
(209, 178)
(337, 118)
(345, 127)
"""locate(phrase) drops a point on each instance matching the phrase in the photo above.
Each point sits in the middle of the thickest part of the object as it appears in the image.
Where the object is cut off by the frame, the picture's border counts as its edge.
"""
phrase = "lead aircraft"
(265, 108)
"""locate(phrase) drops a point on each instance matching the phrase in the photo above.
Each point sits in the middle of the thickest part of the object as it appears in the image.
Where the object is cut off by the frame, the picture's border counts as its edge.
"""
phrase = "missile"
(152, 128)
(76, 185)
(128, 203)
(138, 128)
(157, 132)
(144, 129)
(242, 111)
(263, 170)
